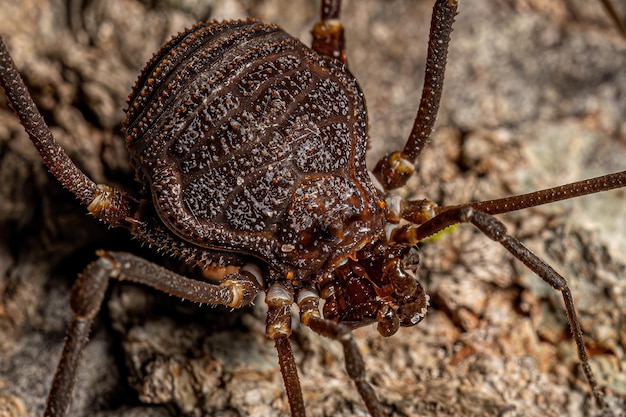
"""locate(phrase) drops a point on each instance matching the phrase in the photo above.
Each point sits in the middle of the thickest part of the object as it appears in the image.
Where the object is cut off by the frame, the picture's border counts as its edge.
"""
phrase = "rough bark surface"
(535, 96)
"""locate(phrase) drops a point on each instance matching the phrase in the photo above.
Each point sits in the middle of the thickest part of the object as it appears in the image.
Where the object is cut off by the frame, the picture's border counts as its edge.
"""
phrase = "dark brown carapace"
(250, 148)
(251, 142)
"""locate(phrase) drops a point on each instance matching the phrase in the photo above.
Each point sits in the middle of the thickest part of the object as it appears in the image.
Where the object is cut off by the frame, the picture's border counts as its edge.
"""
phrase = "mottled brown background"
(535, 96)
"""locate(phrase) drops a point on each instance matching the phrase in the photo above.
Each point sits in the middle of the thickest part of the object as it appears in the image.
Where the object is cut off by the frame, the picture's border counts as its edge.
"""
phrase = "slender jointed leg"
(289, 372)
(86, 299)
(394, 169)
(308, 303)
(496, 230)
(328, 33)
(550, 195)
(235, 290)
(355, 366)
(108, 204)
(278, 328)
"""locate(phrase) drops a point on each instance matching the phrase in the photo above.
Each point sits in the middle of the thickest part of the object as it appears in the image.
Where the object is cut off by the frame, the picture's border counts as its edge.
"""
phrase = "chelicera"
(295, 223)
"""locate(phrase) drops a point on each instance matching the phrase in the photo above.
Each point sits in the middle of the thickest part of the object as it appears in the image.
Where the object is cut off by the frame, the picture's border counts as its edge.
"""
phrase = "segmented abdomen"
(229, 119)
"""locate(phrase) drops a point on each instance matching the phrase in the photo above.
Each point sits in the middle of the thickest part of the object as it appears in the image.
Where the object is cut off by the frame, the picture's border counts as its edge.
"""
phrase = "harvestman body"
(225, 127)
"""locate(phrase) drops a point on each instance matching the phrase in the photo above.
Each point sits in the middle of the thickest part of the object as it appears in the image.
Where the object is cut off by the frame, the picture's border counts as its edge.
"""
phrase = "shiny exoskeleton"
(252, 142)
(251, 151)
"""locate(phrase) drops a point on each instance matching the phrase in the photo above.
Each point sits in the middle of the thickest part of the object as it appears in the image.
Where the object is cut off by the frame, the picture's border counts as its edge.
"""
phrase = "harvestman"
(360, 244)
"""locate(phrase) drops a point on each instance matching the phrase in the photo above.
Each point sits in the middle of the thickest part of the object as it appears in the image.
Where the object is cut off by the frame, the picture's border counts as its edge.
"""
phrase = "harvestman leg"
(236, 290)
(279, 300)
(394, 169)
(289, 371)
(496, 230)
(308, 304)
(328, 33)
(355, 366)
(110, 205)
